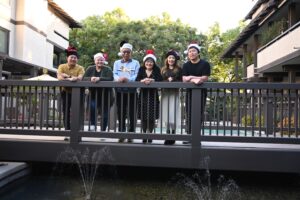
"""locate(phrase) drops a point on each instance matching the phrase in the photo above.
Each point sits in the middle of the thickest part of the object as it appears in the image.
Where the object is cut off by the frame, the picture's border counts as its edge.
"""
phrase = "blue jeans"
(104, 115)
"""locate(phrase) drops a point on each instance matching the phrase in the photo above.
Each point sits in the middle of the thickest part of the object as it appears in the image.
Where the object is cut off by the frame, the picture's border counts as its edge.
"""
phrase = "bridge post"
(76, 115)
(196, 125)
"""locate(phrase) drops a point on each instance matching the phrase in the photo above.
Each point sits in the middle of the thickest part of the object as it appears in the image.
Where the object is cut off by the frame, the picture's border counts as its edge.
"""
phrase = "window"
(4, 38)
(58, 57)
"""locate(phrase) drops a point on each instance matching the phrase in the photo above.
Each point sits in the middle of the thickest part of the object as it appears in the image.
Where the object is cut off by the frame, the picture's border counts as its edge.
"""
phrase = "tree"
(222, 70)
(105, 33)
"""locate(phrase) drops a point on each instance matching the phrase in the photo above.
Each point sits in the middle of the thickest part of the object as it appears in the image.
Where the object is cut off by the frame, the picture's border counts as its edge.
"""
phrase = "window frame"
(6, 44)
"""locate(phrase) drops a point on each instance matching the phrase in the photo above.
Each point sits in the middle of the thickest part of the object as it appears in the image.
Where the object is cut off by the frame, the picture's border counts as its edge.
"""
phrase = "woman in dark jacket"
(101, 98)
(148, 103)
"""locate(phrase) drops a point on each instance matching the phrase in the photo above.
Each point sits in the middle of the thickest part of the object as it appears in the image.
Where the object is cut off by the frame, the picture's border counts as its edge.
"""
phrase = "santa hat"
(98, 55)
(173, 53)
(149, 54)
(124, 45)
(102, 56)
(193, 45)
(71, 51)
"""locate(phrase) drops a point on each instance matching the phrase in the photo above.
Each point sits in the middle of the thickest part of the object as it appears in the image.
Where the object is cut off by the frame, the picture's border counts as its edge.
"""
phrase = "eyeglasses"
(128, 52)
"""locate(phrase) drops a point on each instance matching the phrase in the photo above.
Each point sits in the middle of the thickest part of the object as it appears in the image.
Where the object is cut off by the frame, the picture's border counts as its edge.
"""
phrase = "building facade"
(33, 35)
(268, 48)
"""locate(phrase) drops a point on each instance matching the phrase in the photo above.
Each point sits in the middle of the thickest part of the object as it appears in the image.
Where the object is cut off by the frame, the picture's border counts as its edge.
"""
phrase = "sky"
(200, 14)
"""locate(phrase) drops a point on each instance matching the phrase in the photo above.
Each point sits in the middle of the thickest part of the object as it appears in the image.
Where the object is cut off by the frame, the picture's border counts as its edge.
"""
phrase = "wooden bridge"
(246, 126)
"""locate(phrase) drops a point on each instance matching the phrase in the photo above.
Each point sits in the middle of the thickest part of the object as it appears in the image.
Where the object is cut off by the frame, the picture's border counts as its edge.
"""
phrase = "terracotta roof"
(58, 11)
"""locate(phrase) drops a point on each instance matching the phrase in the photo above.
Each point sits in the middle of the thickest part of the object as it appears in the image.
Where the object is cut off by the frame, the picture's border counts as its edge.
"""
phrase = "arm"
(80, 75)
(115, 71)
(133, 77)
(139, 76)
(107, 75)
(178, 75)
(88, 74)
(60, 73)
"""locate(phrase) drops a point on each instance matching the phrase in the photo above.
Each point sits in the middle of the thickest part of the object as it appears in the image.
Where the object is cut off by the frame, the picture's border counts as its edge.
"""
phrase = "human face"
(149, 63)
(171, 60)
(193, 54)
(99, 61)
(126, 54)
(72, 60)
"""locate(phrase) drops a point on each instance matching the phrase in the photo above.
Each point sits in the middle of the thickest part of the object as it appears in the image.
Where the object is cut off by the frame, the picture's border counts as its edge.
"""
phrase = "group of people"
(131, 105)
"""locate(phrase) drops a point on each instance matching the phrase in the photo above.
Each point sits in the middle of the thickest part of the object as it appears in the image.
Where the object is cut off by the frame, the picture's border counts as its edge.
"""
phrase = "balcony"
(280, 51)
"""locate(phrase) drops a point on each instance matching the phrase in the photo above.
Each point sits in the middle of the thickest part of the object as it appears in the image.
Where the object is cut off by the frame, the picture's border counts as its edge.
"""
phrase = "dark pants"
(66, 106)
(148, 124)
(188, 108)
(126, 109)
(104, 114)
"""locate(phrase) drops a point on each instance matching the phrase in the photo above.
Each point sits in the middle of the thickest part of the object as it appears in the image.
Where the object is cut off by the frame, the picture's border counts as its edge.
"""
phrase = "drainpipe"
(1, 68)
(245, 63)
(236, 67)
(292, 17)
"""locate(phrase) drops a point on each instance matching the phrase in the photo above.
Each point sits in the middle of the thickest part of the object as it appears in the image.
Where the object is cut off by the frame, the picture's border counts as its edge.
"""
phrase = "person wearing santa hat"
(148, 101)
(73, 72)
(125, 70)
(196, 71)
(104, 96)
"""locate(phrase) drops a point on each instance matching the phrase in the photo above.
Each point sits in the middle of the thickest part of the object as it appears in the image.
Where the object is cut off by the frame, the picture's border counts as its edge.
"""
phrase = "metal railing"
(235, 112)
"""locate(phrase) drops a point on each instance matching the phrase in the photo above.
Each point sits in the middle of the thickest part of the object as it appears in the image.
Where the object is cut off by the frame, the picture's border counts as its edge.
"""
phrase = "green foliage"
(222, 70)
(247, 120)
(107, 31)
(160, 33)
(273, 31)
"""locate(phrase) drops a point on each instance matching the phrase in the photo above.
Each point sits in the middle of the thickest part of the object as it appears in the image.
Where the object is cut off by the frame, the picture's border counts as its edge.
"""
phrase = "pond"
(52, 182)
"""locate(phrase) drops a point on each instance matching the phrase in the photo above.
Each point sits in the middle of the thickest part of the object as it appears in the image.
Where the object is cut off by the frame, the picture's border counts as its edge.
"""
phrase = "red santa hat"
(71, 51)
(149, 54)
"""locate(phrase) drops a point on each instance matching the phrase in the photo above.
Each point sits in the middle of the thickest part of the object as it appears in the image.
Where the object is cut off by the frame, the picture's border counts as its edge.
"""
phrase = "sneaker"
(66, 139)
(186, 142)
(144, 140)
(121, 140)
(129, 140)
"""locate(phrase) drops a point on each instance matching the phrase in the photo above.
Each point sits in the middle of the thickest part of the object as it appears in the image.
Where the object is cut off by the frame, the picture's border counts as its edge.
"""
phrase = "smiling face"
(149, 63)
(193, 54)
(99, 61)
(72, 60)
(171, 60)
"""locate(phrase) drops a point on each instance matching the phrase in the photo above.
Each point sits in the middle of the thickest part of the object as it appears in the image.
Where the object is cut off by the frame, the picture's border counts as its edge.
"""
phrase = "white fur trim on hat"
(196, 46)
(126, 46)
(98, 55)
(149, 56)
